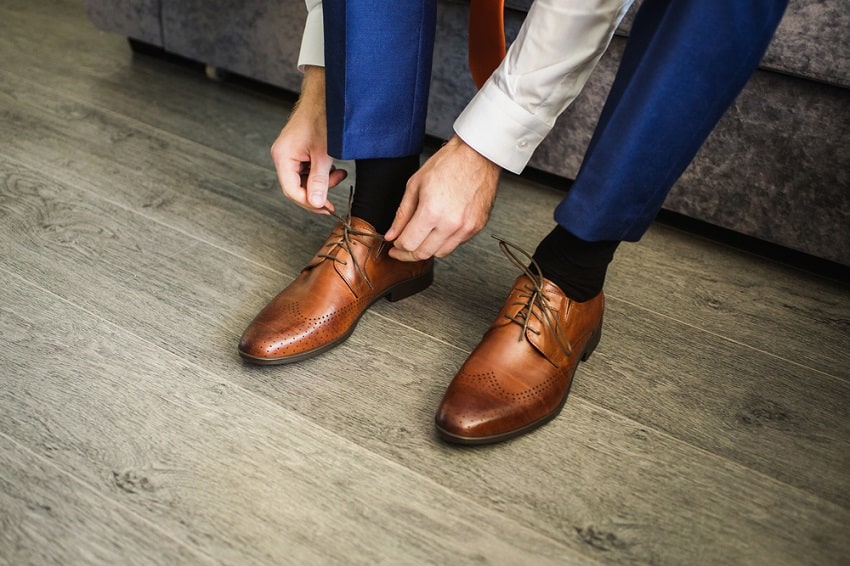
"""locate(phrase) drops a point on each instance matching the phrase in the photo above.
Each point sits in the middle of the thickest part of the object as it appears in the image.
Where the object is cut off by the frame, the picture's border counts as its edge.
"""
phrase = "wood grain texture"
(162, 94)
(141, 228)
(50, 517)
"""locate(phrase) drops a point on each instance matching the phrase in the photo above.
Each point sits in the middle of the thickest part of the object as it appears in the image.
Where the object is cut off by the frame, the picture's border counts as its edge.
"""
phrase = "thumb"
(404, 212)
(317, 181)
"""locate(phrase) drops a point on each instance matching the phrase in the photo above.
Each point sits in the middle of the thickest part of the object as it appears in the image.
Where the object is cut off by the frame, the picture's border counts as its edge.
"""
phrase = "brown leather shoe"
(321, 307)
(519, 376)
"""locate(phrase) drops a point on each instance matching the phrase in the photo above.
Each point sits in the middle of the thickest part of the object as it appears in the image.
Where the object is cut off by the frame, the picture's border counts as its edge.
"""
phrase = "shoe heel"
(408, 288)
(592, 342)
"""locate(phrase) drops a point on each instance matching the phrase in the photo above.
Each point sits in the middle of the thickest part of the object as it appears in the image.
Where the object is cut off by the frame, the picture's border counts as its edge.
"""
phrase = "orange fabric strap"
(487, 45)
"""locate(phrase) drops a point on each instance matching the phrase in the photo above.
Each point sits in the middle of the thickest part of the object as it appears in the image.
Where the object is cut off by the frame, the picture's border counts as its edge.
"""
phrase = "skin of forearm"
(312, 89)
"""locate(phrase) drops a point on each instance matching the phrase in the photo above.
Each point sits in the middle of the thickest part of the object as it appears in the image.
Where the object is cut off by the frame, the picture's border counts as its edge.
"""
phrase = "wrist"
(312, 97)
(458, 144)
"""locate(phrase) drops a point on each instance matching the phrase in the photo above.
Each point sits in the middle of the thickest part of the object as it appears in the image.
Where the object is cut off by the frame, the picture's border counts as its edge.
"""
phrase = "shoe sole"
(395, 293)
(453, 438)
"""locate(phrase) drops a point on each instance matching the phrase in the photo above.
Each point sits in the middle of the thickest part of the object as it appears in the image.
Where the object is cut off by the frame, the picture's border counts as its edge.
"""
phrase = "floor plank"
(50, 517)
(162, 94)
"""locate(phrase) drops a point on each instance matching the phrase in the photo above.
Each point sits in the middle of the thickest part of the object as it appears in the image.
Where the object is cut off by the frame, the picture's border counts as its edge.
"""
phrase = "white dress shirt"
(558, 46)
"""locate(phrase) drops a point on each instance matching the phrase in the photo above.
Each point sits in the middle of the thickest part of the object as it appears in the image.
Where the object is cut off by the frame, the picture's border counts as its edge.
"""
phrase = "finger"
(337, 176)
(401, 255)
(294, 190)
(290, 179)
(318, 180)
(415, 232)
(433, 242)
(450, 245)
(404, 212)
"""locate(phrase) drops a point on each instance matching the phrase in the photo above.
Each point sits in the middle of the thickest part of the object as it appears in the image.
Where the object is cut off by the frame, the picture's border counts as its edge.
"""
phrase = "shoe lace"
(345, 242)
(533, 296)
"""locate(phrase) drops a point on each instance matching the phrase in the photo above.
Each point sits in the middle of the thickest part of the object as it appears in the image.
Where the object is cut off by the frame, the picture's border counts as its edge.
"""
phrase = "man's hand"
(446, 203)
(300, 153)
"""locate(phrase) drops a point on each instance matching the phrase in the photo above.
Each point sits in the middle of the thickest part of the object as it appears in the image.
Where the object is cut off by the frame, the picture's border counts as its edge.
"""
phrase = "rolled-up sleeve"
(558, 46)
(313, 39)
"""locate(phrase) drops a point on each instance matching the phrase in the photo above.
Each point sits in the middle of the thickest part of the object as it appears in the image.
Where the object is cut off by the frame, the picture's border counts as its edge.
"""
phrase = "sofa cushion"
(254, 38)
(137, 19)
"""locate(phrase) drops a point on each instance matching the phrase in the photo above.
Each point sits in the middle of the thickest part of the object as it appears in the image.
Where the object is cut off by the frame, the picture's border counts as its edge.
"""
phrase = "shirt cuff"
(500, 129)
(313, 40)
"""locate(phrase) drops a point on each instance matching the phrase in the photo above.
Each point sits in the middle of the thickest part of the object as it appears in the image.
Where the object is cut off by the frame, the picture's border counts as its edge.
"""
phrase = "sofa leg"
(214, 73)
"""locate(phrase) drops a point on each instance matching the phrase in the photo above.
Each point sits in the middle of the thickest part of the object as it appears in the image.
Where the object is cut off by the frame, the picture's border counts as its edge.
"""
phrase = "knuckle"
(278, 150)
(445, 251)
(455, 224)
(403, 209)
(431, 215)
(319, 179)
(473, 226)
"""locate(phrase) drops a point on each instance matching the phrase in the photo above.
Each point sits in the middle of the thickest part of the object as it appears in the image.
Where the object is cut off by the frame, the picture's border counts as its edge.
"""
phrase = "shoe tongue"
(361, 225)
(537, 333)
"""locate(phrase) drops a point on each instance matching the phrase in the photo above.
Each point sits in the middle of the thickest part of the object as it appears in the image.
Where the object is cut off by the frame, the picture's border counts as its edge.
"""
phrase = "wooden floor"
(141, 229)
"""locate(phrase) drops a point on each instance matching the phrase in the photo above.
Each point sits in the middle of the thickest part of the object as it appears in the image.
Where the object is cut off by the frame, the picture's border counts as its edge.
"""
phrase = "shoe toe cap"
(474, 413)
(260, 342)
(264, 341)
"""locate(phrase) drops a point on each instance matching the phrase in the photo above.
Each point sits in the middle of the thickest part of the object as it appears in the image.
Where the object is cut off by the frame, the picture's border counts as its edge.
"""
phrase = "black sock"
(380, 187)
(577, 266)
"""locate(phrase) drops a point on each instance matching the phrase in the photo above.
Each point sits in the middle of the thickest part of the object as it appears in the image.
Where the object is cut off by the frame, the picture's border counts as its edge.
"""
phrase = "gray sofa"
(777, 167)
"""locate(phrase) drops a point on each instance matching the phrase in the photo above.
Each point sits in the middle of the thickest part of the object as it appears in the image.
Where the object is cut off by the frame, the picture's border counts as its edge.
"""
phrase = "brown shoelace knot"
(345, 242)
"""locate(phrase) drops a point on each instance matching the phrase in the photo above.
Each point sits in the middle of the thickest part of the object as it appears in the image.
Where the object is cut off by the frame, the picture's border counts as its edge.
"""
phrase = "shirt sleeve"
(559, 44)
(313, 39)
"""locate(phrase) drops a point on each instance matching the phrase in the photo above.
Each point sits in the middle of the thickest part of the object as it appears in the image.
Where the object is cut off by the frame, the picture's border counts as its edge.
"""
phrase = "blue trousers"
(684, 64)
